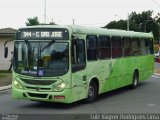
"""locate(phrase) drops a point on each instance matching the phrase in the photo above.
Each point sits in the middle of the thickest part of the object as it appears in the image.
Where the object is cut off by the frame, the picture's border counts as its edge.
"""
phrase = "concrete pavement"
(5, 87)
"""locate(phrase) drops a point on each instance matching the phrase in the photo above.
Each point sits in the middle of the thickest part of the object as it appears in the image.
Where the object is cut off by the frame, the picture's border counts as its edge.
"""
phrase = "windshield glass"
(41, 58)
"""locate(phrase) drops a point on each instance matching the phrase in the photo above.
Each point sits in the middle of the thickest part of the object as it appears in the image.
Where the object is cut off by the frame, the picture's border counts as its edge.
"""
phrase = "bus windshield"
(41, 58)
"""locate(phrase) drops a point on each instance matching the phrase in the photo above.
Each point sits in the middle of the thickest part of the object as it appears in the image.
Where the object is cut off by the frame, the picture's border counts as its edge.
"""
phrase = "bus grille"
(40, 89)
(37, 95)
(38, 82)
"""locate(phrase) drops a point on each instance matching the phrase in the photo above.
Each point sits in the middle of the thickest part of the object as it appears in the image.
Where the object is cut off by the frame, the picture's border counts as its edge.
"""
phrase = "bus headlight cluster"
(60, 87)
(17, 85)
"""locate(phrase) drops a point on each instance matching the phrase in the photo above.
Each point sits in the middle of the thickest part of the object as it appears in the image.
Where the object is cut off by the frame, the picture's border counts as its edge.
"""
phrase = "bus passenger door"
(79, 77)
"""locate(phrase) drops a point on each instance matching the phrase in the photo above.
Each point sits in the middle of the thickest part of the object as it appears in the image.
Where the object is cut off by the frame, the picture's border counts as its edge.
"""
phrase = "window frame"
(123, 45)
(108, 39)
(139, 46)
(75, 65)
(116, 47)
(96, 48)
(150, 45)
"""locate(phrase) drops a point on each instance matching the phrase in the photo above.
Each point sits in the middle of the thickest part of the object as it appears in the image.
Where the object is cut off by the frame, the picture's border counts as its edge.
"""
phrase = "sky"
(97, 13)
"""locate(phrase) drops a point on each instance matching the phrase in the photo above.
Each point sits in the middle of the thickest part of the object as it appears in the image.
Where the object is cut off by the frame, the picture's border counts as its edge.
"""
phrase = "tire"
(135, 80)
(92, 92)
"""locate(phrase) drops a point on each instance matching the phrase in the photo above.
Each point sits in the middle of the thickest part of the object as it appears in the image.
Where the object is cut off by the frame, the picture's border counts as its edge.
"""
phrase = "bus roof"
(110, 32)
(96, 31)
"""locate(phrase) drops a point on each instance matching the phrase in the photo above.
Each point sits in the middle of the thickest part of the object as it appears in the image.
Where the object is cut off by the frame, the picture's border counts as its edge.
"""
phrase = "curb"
(156, 74)
(5, 87)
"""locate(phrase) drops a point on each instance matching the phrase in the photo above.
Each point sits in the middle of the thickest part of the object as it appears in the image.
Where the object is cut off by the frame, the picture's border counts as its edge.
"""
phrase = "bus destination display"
(35, 34)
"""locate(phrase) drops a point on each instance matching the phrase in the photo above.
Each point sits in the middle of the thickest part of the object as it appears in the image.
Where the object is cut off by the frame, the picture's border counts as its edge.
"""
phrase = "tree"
(32, 21)
(122, 24)
(157, 18)
(142, 22)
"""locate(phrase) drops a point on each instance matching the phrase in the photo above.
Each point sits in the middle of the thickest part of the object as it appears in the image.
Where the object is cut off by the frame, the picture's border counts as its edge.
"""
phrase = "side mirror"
(5, 52)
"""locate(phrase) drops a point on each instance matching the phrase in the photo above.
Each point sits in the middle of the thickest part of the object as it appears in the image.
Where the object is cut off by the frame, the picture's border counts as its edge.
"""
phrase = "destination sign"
(42, 34)
(37, 34)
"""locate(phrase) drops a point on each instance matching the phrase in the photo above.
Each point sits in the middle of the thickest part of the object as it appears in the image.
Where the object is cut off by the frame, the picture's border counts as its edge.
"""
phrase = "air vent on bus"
(40, 89)
(37, 95)
(38, 82)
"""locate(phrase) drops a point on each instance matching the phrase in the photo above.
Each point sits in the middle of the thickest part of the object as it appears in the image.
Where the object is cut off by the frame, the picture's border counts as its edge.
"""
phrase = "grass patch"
(5, 78)
(2, 75)
(5, 71)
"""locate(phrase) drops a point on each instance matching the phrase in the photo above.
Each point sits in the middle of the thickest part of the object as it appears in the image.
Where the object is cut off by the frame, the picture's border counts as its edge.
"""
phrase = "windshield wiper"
(28, 44)
(29, 47)
(48, 45)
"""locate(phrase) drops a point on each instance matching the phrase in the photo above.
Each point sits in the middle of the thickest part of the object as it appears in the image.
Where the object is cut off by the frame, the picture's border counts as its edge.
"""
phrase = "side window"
(149, 46)
(135, 47)
(116, 47)
(104, 47)
(127, 51)
(92, 47)
(78, 55)
(81, 51)
(143, 46)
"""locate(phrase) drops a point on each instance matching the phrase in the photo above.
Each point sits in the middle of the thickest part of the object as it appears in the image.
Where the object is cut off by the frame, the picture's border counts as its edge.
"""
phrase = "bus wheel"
(135, 80)
(92, 92)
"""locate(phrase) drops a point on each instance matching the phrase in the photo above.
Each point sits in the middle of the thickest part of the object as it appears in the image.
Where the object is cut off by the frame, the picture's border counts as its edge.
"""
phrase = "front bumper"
(62, 97)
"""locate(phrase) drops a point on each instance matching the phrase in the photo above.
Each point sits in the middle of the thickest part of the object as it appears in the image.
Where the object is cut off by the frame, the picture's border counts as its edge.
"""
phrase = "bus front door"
(79, 77)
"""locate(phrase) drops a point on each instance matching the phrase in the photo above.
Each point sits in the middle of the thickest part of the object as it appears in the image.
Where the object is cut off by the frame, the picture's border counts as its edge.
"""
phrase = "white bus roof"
(96, 31)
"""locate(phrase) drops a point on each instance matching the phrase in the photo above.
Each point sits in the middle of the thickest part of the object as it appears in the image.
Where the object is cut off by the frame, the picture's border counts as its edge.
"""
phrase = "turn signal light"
(59, 97)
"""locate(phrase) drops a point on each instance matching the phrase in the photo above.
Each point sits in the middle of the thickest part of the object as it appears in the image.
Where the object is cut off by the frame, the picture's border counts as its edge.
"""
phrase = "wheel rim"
(91, 91)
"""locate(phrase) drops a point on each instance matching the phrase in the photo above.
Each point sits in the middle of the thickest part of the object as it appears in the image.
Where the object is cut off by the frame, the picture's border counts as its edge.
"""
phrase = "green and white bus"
(65, 64)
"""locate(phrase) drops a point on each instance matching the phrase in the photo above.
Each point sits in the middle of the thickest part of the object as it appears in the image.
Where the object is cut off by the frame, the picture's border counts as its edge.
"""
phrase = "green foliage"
(141, 22)
(5, 71)
(35, 21)
(2, 76)
(145, 22)
(121, 24)
(32, 21)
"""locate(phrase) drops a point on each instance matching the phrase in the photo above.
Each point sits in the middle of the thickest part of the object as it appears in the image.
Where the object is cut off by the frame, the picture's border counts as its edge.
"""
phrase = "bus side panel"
(127, 71)
(101, 70)
(115, 73)
(147, 67)
(79, 86)
(122, 72)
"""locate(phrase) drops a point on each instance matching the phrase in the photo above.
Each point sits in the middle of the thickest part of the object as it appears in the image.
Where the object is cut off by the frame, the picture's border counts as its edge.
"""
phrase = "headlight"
(17, 85)
(60, 87)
